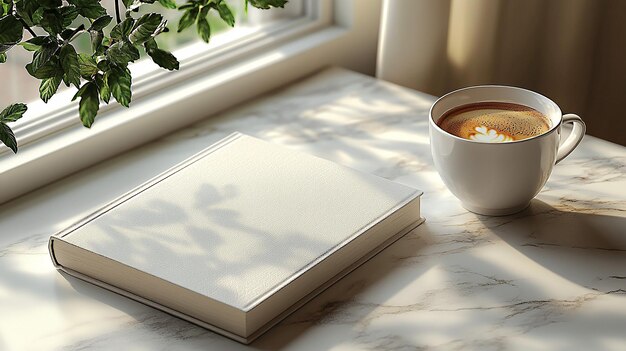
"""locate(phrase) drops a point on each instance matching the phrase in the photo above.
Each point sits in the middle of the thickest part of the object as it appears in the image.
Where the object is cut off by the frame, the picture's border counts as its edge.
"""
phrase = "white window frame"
(332, 32)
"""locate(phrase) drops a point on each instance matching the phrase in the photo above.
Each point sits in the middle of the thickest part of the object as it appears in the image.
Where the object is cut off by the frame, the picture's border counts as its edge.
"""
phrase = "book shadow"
(340, 303)
(574, 243)
(329, 306)
(154, 325)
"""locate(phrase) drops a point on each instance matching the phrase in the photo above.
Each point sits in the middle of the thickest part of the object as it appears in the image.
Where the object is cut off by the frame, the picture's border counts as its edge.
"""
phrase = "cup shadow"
(583, 247)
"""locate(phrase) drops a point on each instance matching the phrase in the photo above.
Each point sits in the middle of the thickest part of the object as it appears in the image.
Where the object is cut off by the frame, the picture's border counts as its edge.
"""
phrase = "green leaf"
(3, 57)
(133, 6)
(127, 3)
(162, 58)
(69, 14)
(13, 112)
(266, 4)
(204, 29)
(204, 12)
(104, 65)
(49, 4)
(122, 29)
(48, 70)
(89, 8)
(49, 87)
(122, 52)
(150, 44)
(52, 21)
(168, 4)
(226, 14)
(5, 7)
(69, 34)
(101, 23)
(25, 9)
(44, 60)
(187, 6)
(145, 27)
(71, 67)
(80, 91)
(162, 28)
(120, 82)
(103, 87)
(96, 41)
(139, 22)
(188, 18)
(33, 44)
(10, 32)
(89, 104)
(37, 16)
(87, 66)
(7, 137)
(92, 11)
(66, 34)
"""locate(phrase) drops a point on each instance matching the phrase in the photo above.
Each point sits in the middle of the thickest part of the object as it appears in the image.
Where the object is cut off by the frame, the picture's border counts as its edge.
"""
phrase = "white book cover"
(239, 223)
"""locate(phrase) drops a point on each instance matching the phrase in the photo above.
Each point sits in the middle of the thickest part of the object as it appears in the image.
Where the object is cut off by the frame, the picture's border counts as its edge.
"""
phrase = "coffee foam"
(494, 122)
(487, 135)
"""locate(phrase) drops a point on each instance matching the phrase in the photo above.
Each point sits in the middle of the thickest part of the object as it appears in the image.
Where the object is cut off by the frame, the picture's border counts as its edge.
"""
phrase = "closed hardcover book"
(238, 236)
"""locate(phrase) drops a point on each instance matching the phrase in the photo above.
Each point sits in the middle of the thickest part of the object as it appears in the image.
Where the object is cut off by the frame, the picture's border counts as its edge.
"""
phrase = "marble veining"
(552, 277)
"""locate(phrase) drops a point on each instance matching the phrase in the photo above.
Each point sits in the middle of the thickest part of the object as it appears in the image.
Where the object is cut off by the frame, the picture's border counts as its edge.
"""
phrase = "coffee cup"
(499, 178)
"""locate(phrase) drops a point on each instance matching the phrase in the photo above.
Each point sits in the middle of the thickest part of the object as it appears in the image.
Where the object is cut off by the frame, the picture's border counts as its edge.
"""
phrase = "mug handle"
(574, 138)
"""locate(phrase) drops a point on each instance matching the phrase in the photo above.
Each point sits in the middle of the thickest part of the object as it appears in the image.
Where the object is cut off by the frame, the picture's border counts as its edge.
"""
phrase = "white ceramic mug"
(499, 178)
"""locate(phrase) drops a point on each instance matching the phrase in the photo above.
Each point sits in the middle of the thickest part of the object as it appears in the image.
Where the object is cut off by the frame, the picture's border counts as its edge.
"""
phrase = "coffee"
(494, 122)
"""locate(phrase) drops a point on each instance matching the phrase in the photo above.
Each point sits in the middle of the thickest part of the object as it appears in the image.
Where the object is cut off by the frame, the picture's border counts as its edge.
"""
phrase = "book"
(238, 236)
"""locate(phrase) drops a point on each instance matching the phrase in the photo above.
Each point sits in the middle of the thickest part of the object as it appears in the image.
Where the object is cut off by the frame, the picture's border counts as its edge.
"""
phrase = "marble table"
(552, 277)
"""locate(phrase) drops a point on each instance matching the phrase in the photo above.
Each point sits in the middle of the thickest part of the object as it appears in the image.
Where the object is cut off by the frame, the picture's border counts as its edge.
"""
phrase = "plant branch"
(27, 28)
(78, 31)
(117, 11)
(11, 7)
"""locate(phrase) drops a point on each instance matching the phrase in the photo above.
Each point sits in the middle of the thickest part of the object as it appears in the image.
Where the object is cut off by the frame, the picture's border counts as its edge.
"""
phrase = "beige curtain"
(573, 51)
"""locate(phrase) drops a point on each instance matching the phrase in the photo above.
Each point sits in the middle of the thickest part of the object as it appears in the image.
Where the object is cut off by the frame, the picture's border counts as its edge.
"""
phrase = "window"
(268, 51)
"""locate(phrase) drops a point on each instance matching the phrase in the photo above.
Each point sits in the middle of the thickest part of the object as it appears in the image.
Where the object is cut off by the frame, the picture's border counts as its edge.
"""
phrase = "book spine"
(51, 252)
(143, 300)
